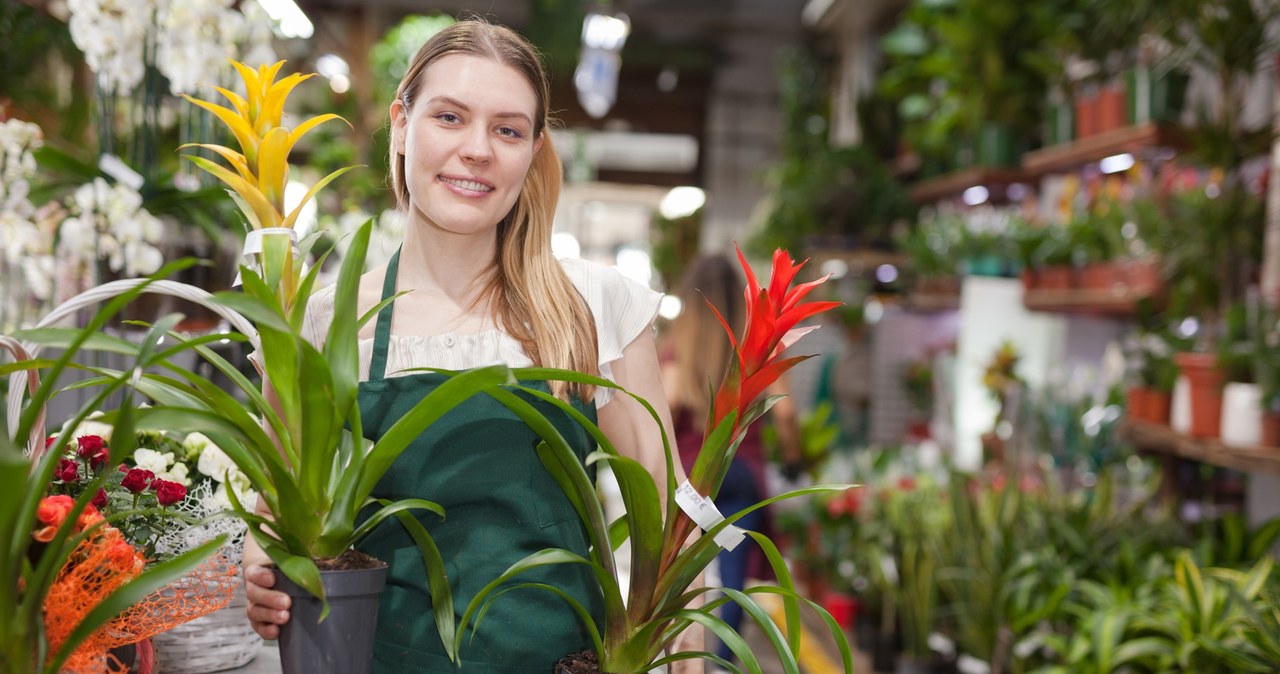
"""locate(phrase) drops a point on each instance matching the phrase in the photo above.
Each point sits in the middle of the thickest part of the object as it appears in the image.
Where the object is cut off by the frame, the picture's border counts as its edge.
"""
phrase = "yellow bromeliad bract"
(261, 167)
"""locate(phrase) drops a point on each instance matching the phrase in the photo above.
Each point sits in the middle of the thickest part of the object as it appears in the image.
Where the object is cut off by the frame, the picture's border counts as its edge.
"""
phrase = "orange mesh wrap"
(103, 563)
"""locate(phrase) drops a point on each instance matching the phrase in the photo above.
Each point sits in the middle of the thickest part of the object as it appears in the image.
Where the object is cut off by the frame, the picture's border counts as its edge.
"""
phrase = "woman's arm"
(631, 429)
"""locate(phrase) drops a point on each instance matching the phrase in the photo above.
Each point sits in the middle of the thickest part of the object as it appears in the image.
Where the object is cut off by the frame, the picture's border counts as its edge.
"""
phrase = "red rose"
(137, 480)
(67, 471)
(89, 445)
(100, 499)
(168, 493)
(92, 448)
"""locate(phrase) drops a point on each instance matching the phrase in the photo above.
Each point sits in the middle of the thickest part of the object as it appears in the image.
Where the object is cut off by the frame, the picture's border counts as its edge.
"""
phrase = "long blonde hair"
(701, 349)
(535, 301)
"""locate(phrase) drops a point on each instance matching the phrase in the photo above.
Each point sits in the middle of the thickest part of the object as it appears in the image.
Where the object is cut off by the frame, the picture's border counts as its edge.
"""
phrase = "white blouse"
(621, 307)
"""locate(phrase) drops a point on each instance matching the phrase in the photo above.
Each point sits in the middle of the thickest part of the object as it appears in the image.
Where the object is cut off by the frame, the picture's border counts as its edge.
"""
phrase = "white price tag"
(704, 513)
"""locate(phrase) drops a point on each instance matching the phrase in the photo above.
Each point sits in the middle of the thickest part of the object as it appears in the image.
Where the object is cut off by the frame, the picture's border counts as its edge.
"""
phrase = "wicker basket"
(216, 642)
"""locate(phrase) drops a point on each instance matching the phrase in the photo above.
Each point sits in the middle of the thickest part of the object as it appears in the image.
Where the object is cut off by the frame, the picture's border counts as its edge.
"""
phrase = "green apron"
(501, 504)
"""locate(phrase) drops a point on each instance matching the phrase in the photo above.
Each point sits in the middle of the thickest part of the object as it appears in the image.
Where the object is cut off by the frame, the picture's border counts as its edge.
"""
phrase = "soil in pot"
(582, 662)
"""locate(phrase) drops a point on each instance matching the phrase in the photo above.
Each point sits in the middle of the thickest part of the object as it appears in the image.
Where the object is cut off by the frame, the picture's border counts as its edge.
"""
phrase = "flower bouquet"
(639, 629)
(188, 479)
(72, 585)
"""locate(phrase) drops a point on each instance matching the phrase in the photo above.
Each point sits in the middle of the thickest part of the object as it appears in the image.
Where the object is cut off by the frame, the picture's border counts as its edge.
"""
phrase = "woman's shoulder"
(321, 304)
(621, 307)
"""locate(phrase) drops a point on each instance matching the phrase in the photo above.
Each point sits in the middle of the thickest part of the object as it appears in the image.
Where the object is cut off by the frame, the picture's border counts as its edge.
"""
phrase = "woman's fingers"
(267, 608)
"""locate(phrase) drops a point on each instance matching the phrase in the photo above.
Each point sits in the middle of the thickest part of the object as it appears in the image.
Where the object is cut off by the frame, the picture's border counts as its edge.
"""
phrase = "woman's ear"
(537, 144)
(399, 122)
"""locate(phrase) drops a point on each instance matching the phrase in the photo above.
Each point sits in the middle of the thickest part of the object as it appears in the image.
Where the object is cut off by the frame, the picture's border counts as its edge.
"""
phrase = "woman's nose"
(477, 147)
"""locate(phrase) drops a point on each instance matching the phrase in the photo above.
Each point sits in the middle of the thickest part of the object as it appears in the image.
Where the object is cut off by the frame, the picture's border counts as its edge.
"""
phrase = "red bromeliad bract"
(772, 316)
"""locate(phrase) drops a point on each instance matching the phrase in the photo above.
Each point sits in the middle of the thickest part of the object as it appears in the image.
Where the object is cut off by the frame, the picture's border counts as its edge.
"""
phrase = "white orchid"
(112, 35)
(110, 224)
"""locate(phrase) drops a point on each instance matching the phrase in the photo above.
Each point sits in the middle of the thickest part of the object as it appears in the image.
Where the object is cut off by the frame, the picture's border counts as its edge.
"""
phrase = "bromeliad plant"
(640, 629)
(262, 167)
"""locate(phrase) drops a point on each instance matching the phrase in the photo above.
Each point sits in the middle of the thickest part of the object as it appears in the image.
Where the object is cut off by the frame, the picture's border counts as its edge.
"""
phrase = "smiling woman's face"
(468, 142)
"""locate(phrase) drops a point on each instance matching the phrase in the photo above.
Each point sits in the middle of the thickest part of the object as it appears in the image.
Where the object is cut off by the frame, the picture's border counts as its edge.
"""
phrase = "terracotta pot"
(1086, 115)
(1029, 279)
(1142, 278)
(1205, 378)
(1158, 406)
(1056, 277)
(1098, 276)
(1271, 429)
(1137, 403)
(1112, 108)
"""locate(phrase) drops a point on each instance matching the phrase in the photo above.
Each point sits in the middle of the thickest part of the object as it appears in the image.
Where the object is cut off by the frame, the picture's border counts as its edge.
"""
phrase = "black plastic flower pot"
(343, 642)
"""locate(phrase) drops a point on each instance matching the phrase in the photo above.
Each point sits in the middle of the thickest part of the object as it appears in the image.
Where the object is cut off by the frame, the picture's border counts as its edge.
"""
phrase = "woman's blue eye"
(510, 132)
(447, 117)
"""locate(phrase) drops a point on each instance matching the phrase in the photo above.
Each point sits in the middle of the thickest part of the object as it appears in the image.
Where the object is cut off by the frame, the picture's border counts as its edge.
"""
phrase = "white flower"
(195, 443)
(214, 462)
(150, 459)
(91, 427)
(178, 473)
(244, 494)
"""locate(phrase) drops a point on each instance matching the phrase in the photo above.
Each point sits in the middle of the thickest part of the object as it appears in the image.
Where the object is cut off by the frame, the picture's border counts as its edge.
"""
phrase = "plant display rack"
(1154, 438)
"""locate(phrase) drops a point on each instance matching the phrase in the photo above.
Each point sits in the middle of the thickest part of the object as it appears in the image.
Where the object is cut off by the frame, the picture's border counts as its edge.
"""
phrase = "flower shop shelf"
(1132, 139)
(954, 184)
(1160, 439)
(1082, 300)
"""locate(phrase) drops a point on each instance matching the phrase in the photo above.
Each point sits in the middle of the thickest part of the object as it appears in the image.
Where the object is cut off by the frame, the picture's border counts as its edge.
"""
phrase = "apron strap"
(382, 332)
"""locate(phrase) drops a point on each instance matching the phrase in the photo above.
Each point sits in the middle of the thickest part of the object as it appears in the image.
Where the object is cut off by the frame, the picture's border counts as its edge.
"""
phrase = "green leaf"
(790, 606)
(727, 636)
(781, 646)
(437, 581)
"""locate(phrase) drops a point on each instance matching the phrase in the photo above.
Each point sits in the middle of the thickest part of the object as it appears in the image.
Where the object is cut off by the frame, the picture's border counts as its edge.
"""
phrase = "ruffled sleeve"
(622, 309)
(319, 316)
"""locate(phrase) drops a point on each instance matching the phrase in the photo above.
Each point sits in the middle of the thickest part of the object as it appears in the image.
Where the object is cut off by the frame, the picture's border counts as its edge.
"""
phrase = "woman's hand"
(268, 609)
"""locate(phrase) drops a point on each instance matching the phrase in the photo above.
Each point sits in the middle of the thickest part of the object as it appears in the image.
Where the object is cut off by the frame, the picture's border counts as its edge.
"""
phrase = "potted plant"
(69, 576)
(914, 512)
(638, 630)
(1209, 247)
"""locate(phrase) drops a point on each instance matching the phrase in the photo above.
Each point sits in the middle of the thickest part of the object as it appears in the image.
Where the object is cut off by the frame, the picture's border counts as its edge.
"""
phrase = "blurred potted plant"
(915, 513)
(1000, 378)
(1210, 248)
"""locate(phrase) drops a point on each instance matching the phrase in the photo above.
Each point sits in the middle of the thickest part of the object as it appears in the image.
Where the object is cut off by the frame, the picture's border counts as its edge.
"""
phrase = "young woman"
(473, 167)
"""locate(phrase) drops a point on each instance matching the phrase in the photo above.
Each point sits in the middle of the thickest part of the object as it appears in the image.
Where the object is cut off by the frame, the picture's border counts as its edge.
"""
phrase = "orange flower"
(88, 517)
(53, 510)
(45, 535)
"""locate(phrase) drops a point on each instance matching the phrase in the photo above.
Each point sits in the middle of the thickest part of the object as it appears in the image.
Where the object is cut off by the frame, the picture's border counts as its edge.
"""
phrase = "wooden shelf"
(1159, 439)
(954, 184)
(1073, 155)
(932, 301)
(1110, 302)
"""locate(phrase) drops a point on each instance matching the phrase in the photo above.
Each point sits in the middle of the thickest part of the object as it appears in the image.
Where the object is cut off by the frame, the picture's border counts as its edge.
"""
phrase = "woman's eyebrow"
(449, 100)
